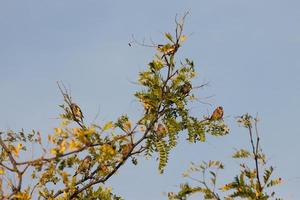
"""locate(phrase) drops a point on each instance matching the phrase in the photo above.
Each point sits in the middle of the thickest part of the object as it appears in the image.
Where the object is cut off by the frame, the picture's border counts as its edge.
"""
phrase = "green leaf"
(267, 174)
(163, 155)
(242, 153)
(274, 182)
(169, 36)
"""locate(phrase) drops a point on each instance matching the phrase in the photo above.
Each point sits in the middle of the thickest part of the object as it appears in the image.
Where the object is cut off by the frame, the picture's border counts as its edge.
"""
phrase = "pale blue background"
(247, 50)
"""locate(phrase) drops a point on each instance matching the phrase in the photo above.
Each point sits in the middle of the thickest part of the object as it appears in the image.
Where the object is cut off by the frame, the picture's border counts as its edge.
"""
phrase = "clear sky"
(247, 50)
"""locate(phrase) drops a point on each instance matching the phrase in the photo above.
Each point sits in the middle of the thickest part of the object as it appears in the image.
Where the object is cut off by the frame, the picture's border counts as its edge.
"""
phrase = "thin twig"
(255, 153)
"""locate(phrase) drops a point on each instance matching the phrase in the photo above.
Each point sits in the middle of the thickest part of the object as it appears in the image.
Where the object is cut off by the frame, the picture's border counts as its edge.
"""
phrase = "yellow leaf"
(15, 150)
(89, 131)
(53, 151)
(107, 126)
(127, 126)
(257, 193)
(22, 196)
(65, 177)
(107, 150)
(183, 38)
(19, 146)
(64, 123)
(51, 139)
(63, 146)
(74, 145)
(2, 171)
(226, 187)
(146, 105)
(77, 132)
(58, 130)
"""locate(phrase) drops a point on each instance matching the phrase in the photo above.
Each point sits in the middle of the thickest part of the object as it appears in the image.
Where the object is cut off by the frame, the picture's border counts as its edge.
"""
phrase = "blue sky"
(247, 50)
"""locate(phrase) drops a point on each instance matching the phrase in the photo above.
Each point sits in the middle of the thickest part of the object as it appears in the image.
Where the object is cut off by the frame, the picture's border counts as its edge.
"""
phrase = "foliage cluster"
(78, 158)
(251, 183)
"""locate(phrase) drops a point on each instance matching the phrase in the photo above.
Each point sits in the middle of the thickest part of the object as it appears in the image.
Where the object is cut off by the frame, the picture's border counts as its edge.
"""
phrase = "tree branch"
(255, 153)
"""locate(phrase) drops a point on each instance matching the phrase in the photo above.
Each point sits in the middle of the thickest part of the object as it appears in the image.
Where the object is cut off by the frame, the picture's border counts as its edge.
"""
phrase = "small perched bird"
(168, 50)
(84, 166)
(125, 149)
(186, 88)
(161, 130)
(217, 114)
(76, 111)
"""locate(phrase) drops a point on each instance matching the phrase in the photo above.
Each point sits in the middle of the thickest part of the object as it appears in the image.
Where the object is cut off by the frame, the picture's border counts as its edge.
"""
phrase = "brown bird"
(217, 114)
(125, 149)
(161, 130)
(84, 166)
(168, 50)
(76, 111)
(186, 88)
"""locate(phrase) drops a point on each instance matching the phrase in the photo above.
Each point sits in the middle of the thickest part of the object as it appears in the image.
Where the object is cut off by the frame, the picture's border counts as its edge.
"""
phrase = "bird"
(186, 88)
(217, 114)
(84, 166)
(76, 111)
(126, 149)
(168, 50)
(161, 130)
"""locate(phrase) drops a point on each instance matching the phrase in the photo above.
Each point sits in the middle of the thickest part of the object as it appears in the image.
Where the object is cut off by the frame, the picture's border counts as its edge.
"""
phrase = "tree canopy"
(78, 158)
